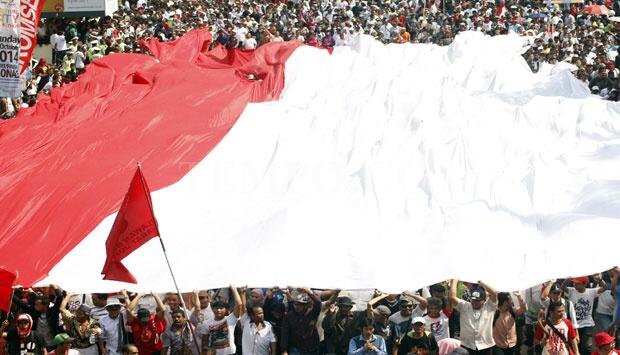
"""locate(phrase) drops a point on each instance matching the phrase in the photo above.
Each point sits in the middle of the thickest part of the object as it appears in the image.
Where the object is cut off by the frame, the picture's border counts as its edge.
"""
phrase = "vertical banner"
(29, 21)
(9, 48)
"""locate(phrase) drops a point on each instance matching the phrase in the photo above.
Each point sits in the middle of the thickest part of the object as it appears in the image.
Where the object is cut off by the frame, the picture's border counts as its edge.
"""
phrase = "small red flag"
(7, 279)
(134, 225)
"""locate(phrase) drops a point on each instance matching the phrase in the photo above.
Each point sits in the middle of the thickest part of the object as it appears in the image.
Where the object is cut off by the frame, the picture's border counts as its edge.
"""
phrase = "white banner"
(9, 48)
(84, 5)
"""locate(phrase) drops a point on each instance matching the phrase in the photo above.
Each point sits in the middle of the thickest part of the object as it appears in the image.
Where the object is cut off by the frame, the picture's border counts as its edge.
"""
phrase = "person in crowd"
(201, 311)
(46, 318)
(505, 323)
(81, 327)
(114, 334)
(299, 332)
(99, 301)
(367, 343)
(417, 340)
(130, 349)
(604, 344)
(63, 345)
(400, 322)
(583, 298)
(555, 334)
(476, 318)
(180, 339)
(552, 292)
(21, 340)
(258, 337)
(147, 328)
(341, 323)
(436, 320)
(217, 334)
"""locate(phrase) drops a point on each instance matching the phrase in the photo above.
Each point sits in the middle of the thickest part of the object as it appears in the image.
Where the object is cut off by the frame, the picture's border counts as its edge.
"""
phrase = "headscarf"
(24, 333)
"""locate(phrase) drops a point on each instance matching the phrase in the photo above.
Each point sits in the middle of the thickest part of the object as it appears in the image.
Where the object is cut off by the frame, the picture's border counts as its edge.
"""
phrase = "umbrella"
(596, 10)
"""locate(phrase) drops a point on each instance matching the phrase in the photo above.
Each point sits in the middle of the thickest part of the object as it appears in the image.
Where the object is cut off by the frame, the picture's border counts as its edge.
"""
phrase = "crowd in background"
(573, 316)
(585, 35)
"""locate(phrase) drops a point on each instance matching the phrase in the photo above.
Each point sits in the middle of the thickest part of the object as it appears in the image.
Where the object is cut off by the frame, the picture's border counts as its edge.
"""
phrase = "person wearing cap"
(217, 334)
(21, 340)
(553, 292)
(147, 328)
(114, 335)
(400, 322)
(367, 343)
(299, 333)
(604, 344)
(583, 298)
(555, 334)
(418, 340)
(341, 323)
(63, 343)
(505, 323)
(476, 317)
(81, 327)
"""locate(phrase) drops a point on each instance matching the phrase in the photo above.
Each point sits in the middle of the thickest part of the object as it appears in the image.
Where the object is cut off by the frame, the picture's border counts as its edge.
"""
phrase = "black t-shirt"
(423, 345)
(32, 345)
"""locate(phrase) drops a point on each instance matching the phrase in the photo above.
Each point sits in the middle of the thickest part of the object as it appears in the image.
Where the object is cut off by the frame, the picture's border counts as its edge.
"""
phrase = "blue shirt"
(356, 345)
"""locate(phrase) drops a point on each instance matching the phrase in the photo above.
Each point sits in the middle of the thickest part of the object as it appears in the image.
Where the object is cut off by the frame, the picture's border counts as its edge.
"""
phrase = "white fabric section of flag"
(9, 48)
(392, 167)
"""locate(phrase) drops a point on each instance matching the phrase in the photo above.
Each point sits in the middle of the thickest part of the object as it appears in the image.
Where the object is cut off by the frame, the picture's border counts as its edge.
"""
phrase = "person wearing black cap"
(552, 292)
(81, 327)
(341, 323)
(147, 328)
(476, 318)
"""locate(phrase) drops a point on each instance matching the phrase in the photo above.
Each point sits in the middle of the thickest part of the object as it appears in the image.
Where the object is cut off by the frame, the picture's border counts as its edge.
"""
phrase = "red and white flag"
(134, 225)
(30, 13)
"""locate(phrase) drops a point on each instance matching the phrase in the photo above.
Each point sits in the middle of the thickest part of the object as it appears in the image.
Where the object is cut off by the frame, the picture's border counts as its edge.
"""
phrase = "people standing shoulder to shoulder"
(217, 334)
(299, 330)
(147, 328)
(418, 340)
(476, 317)
(505, 325)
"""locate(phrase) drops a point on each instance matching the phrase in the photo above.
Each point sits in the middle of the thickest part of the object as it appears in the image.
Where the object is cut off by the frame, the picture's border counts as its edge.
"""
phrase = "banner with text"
(29, 21)
(9, 48)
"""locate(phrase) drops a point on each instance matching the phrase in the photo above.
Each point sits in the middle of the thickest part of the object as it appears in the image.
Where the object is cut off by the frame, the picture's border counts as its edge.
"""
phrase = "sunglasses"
(407, 306)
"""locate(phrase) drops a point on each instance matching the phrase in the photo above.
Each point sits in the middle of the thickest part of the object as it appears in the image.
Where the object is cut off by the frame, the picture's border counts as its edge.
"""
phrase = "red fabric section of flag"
(7, 280)
(65, 163)
(30, 13)
(134, 225)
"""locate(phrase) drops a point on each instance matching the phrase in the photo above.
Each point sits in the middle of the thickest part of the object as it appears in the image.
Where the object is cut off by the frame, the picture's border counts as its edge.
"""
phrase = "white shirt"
(584, 304)
(256, 342)
(606, 303)
(477, 325)
(250, 43)
(221, 334)
(60, 43)
(109, 327)
(439, 327)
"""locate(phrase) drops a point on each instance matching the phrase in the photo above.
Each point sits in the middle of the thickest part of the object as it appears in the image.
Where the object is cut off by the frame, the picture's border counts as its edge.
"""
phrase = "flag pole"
(163, 248)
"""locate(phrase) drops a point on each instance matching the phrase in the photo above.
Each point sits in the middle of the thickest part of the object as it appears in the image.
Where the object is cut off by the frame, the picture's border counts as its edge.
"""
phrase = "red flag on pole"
(7, 279)
(134, 225)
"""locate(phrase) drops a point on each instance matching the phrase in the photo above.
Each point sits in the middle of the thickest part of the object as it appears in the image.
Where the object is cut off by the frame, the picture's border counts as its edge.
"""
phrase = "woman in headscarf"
(81, 327)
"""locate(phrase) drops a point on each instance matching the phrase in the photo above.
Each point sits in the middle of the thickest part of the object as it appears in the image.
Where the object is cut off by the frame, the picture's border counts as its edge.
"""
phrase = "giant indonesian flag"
(375, 166)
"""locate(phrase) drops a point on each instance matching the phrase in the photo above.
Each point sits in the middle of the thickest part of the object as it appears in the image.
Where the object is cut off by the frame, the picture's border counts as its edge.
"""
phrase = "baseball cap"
(418, 320)
(603, 338)
(555, 289)
(478, 294)
(345, 301)
(113, 302)
(143, 314)
(63, 338)
(582, 279)
(383, 311)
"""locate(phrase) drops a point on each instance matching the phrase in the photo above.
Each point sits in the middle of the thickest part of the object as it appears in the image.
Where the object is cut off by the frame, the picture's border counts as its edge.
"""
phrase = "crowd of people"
(584, 35)
(576, 316)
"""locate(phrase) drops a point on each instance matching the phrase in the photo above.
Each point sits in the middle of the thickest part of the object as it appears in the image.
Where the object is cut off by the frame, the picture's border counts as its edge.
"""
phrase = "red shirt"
(147, 337)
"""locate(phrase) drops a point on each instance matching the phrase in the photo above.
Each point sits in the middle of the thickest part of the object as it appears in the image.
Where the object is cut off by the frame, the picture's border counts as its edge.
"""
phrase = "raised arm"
(239, 307)
(421, 300)
(64, 312)
(161, 309)
(602, 285)
(490, 291)
(132, 305)
(312, 295)
(454, 301)
(196, 303)
(522, 305)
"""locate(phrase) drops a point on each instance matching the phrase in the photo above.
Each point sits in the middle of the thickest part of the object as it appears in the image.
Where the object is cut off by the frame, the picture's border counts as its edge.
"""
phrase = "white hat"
(418, 320)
